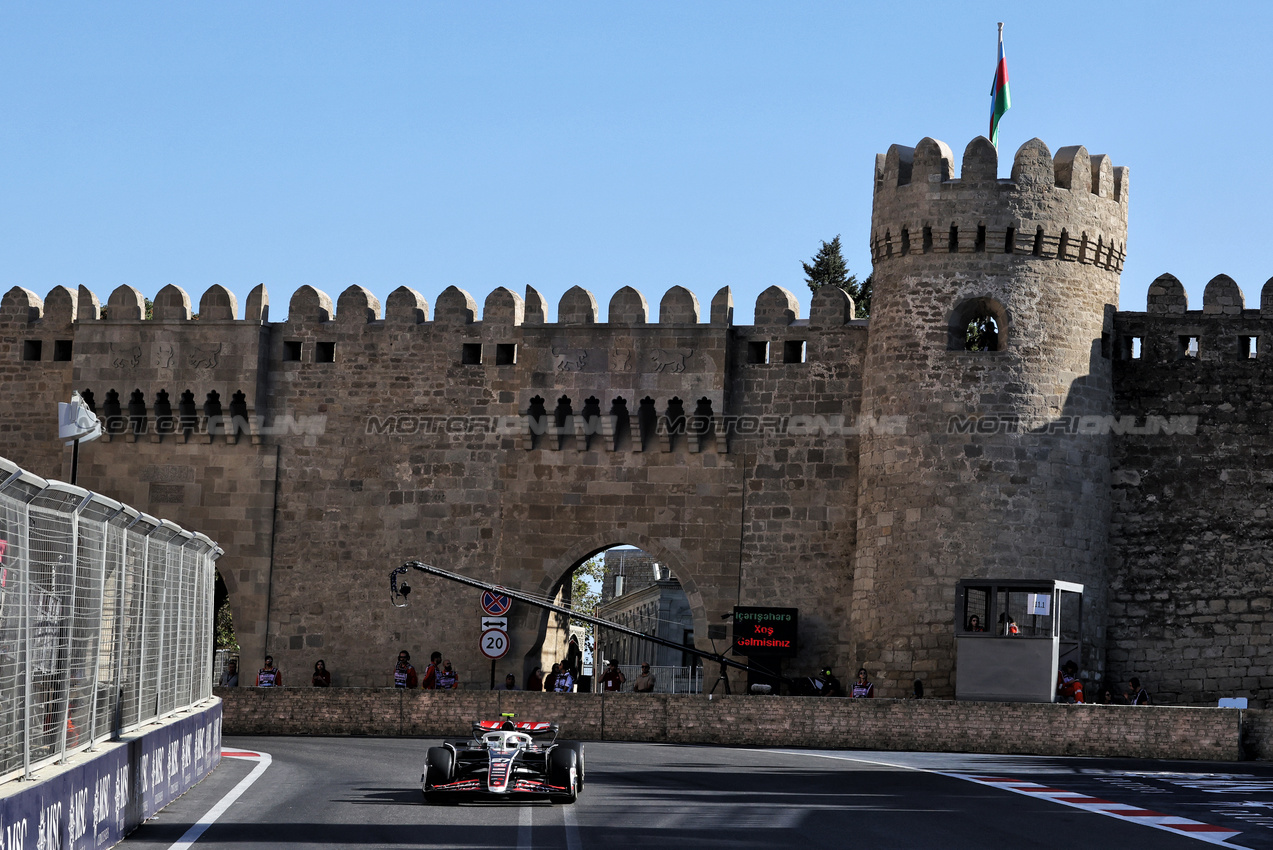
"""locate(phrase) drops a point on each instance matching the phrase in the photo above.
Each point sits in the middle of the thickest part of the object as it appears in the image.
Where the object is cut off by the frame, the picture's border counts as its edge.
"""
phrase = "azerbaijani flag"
(1000, 101)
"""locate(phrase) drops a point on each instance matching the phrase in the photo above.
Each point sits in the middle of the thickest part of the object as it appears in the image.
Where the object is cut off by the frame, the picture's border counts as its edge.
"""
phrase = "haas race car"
(505, 760)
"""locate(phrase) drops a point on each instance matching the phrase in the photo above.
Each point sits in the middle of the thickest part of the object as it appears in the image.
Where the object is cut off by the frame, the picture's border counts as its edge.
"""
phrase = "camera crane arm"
(400, 591)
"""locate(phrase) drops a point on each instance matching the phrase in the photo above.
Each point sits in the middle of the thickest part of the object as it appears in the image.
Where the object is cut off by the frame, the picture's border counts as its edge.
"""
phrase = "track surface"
(364, 792)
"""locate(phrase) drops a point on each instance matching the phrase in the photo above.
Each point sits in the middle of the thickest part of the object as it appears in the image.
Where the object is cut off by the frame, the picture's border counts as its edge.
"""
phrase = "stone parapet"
(1110, 731)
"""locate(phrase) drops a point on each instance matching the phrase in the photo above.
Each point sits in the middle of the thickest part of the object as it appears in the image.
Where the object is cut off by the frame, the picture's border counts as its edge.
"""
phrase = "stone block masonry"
(808, 722)
(802, 462)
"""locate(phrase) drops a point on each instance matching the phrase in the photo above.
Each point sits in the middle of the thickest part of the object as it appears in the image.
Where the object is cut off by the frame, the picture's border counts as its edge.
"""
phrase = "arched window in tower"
(978, 324)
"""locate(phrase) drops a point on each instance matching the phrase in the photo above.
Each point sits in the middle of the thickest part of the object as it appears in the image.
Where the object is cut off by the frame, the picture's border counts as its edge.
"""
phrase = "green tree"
(224, 629)
(829, 269)
(585, 585)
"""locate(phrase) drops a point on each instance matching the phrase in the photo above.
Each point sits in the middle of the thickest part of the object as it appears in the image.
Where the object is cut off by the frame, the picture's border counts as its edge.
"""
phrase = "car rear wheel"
(563, 771)
(439, 766)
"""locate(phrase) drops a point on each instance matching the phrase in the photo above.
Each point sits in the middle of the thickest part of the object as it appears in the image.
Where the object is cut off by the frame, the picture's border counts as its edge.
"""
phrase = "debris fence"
(105, 619)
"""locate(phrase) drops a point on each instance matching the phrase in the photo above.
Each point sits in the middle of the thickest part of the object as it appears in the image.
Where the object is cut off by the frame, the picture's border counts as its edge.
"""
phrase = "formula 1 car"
(504, 760)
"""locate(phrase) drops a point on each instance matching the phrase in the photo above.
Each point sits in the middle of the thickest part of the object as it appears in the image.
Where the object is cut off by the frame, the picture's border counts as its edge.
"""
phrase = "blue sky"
(601, 144)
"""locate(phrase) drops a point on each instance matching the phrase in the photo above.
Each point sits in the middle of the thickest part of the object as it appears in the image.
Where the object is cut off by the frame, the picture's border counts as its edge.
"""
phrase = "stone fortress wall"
(512, 448)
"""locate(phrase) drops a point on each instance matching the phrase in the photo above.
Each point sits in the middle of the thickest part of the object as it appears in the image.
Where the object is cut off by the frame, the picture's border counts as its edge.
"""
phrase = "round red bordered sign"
(494, 643)
(495, 604)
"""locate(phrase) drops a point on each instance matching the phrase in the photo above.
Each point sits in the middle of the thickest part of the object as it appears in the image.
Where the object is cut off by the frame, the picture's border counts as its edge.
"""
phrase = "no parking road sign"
(496, 604)
(494, 643)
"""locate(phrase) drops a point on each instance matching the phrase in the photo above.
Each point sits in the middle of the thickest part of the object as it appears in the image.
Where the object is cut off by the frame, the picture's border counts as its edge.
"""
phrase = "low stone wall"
(928, 725)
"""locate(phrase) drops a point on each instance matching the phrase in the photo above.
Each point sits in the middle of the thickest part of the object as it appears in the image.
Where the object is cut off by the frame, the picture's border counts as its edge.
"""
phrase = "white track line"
(1128, 813)
(193, 833)
(572, 828)
(523, 828)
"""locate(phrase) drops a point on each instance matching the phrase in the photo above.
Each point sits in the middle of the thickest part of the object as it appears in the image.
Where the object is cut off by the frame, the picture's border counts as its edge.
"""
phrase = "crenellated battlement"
(1071, 207)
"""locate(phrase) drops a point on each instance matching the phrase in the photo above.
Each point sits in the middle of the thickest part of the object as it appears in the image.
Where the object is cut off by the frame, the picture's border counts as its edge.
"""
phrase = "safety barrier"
(105, 619)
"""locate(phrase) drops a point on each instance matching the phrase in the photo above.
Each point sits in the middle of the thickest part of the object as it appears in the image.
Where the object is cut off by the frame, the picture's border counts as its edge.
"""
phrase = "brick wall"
(932, 725)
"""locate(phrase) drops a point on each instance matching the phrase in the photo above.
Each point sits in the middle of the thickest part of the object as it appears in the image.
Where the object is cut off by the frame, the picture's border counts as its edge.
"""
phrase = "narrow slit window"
(928, 240)
(324, 352)
(471, 354)
(953, 245)
(31, 349)
(62, 349)
(291, 350)
(906, 241)
(505, 354)
(1248, 347)
(1129, 348)
(757, 352)
(1010, 241)
(979, 246)
(1038, 242)
(1189, 346)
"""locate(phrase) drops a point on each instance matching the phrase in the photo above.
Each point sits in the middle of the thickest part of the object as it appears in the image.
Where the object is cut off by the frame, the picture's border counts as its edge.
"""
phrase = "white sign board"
(500, 623)
(494, 643)
(1039, 604)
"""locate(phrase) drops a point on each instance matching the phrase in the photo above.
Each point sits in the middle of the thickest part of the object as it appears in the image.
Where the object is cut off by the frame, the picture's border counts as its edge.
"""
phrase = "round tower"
(985, 390)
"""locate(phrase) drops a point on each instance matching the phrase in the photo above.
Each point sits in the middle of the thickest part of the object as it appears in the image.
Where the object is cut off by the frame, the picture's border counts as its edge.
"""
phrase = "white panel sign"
(500, 623)
(1038, 603)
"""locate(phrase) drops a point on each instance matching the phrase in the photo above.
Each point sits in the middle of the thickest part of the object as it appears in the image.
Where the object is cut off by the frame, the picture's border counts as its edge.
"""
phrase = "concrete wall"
(934, 725)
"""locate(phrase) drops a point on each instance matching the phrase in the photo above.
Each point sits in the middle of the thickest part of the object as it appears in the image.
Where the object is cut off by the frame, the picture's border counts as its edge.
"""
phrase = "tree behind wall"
(829, 269)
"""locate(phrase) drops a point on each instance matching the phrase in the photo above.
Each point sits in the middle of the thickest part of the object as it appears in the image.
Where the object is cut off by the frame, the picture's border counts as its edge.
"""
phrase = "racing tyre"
(563, 771)
(577, 746)
(438, 767)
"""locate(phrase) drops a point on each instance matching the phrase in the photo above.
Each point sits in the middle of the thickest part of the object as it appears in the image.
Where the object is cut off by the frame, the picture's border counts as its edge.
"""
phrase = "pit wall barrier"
(1162, 732)
(97, 798)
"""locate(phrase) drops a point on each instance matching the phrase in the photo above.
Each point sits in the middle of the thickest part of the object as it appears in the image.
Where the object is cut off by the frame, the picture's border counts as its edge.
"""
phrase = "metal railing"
(105, 619)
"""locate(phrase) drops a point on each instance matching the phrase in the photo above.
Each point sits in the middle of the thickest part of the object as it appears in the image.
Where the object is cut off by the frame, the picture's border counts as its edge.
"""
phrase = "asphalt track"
(364, 792)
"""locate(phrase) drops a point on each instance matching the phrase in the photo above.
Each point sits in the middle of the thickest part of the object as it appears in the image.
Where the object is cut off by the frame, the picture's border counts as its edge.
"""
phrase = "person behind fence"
(269, 676)
(535, 682)
(565, 681)
(1069, 688)
(510, 683)
(862, 687)
(1137, 695)
(230, 677)
(644, 683)
(974, 624)
(613, 679)
(404, 675)
(448, 679)
(430, 680)
(322, 678)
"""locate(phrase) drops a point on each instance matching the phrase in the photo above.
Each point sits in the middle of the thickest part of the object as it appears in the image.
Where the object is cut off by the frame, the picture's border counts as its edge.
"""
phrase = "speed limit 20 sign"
(494, 643)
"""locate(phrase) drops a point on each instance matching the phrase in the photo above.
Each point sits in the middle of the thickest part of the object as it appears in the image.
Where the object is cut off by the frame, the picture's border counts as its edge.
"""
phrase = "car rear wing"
(527, 727)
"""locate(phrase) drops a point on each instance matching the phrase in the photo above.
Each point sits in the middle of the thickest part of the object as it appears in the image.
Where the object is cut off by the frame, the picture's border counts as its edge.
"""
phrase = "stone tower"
(996, 464)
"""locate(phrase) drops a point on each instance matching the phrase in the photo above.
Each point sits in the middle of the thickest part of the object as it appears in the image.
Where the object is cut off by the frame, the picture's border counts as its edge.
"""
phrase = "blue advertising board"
(95, 804)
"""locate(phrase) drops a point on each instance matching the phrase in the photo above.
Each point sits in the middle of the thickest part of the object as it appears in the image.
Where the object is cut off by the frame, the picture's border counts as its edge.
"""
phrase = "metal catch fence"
(667, 680)
(105, 619)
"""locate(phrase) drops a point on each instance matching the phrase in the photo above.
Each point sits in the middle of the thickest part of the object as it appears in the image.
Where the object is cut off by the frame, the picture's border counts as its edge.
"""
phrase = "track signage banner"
(765, 631)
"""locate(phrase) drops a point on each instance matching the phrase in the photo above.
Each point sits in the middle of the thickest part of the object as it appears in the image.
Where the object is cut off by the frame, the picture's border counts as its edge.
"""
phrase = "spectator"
(831, 686)
(1069, 688)
(230, 678)
(919, 690)
(430, 681)
(565, 681)
(536, 680)
(404, 675)
(974, 624)
(1105, 697)
(269, 676)
(510, 683)
(1137, 695)
(447, 677)
(644, 683)
(550, 681)
(613, 679)
(862, 688)
(322, 679)
(574, 658)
